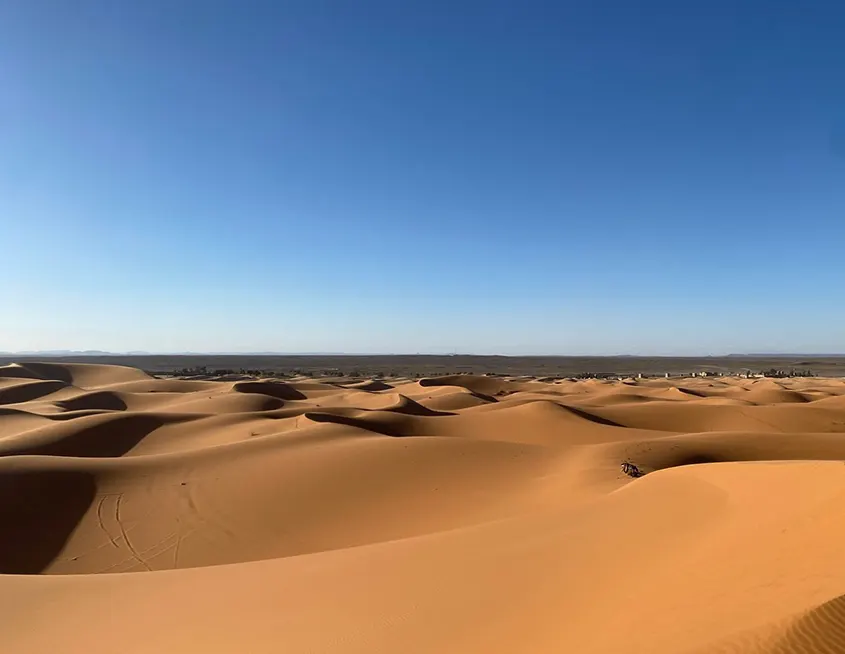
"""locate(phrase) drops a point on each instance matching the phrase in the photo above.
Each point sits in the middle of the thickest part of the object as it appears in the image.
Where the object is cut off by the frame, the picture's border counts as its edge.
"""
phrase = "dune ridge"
(448, 514)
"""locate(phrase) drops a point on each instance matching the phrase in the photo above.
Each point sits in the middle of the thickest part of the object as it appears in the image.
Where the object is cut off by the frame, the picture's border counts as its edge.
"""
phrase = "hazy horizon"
(588, 178)
(143, 353)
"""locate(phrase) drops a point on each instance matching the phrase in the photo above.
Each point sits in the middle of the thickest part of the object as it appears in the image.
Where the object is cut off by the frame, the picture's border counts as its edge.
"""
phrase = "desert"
(422, 327)
(461, 513)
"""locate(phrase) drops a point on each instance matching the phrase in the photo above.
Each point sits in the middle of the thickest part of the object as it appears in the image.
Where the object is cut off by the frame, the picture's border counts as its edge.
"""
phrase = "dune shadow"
(279, 390)
(111, 438)
(438, 381)
(28, 392)
(348, 421)
(39, 510)
(648, 464)
(469, 383)
(372, 386)
(13, 371)
(690, 391)
(101, 401)
(697, 458)
(49, 371)
(434, 382)
(483, 396)
(410, 407)
(586, 415)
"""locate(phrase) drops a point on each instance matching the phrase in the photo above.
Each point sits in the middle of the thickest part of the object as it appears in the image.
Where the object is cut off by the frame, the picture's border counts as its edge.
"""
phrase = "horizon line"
(139, 353)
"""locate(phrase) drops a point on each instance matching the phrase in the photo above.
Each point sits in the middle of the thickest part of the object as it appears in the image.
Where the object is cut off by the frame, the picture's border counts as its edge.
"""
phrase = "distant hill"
(787, 355)
(68, 353)
(140, 353)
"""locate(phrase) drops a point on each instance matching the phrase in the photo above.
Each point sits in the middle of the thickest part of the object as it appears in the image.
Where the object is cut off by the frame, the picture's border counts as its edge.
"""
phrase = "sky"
(512, 177)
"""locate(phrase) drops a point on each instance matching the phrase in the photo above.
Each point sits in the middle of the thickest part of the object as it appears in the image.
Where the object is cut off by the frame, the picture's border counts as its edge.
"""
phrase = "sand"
(459, 514)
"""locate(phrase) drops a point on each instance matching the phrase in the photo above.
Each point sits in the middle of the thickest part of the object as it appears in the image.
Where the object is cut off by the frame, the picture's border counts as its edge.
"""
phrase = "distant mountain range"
(133, 353)
(787, 355)
(102, 353)
(70, 353)
(67, 353)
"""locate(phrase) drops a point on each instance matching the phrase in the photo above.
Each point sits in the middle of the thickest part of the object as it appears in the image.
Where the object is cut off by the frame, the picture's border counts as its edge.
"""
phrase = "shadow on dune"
(409, 407)
(279, 390)
(64, 416)
(691, 456)
(378, 427)
(468, 383)
(586, 415)
(483, 396)
(725, 447)
(38, 512)
(690, 391)
(29, 391)
(14, 371)
(103, 400)
(111, 436)
(49, 371)
(373, 385)
(696, 458)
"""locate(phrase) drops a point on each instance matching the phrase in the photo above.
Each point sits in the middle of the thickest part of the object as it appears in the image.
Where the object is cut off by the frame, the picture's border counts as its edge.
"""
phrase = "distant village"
(745, 374)
(229, 374)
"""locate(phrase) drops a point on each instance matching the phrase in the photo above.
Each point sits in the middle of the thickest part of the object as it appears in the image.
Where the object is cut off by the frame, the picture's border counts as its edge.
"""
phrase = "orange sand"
(451, 515)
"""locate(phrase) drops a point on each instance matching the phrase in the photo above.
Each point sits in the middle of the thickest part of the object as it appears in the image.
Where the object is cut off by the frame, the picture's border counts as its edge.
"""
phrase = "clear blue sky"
(599, 176)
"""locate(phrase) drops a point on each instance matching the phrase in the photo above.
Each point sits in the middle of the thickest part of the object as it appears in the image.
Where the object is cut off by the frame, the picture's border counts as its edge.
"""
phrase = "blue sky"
(495, 177)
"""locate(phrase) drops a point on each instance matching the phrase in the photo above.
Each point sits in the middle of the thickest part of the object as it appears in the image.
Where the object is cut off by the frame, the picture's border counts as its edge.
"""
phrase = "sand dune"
(452, 514)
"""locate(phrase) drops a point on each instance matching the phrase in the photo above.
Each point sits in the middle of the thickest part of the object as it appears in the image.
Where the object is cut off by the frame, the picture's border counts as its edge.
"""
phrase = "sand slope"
(459, 514)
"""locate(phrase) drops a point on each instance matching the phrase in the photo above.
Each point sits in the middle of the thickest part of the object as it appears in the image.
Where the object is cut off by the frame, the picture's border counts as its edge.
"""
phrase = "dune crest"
(451, 514)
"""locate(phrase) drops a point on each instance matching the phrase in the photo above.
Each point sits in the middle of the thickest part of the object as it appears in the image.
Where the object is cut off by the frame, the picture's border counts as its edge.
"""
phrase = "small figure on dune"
(631, 470)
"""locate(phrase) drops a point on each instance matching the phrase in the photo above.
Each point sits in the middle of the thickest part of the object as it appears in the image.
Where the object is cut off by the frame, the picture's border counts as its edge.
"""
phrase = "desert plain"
(450, 514)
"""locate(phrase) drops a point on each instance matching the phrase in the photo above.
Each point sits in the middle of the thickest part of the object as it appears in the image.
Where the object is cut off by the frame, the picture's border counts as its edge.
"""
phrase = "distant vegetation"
(416, 366)
(206, 372)
(365, 373)
(773, 372)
